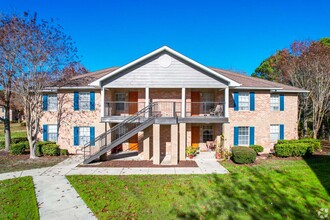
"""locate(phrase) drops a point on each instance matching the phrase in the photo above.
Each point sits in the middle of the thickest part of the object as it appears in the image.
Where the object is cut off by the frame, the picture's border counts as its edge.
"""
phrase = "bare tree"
(308, 67)
(45, 52)
(11, 45)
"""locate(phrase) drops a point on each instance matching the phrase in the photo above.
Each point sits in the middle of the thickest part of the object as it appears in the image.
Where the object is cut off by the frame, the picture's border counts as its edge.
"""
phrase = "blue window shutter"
(92, 136)
(251, 135)
(45, 132)
(281, 102)
(252, 102)
(281, 132)
(76, 136)
(45, 102)
(235, 136)
(92, 101)
(76, 101)
(236, 107)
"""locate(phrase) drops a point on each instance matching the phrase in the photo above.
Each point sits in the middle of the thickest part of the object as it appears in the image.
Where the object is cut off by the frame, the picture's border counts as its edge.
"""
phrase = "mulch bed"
(137, 163)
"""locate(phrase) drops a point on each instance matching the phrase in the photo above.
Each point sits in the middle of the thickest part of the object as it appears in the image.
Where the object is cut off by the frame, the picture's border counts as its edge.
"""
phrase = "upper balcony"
(172, 105)
(190, 112)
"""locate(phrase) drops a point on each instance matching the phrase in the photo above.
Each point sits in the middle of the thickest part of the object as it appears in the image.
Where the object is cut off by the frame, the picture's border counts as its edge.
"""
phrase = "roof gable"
(173, 53)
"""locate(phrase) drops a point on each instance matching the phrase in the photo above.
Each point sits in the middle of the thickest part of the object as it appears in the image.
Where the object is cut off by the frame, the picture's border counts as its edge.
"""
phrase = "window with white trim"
(274, 102)
(52, 133)
(244, 101)
(274, 133)
(84, 135)
(208, 133)
(120, 99)
(52, 102)
(84, 100)
(243, 136)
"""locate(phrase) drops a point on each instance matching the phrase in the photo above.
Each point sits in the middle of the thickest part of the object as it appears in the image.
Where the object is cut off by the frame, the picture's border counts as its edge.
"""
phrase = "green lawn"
(16, 131)
(17, 199)
(272, 189)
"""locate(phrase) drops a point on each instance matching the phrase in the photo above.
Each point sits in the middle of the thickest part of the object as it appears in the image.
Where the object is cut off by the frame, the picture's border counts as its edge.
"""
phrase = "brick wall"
(262, 118)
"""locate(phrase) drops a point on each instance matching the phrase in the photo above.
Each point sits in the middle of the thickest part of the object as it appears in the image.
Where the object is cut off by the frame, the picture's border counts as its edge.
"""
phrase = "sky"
(234, 35)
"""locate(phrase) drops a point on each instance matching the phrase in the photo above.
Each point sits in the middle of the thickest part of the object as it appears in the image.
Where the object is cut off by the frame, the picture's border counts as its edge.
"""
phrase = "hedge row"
(243, 155)
(294, 149)
(315, 142)
(13, 141)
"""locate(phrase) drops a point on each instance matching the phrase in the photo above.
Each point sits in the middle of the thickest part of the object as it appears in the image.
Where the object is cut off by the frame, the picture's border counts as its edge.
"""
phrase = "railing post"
(226, 102)
(102, 101)
(147, 101)
(183, 101)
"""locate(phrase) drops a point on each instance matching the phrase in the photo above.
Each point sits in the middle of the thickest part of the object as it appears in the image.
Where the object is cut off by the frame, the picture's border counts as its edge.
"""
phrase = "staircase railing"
(118, 131)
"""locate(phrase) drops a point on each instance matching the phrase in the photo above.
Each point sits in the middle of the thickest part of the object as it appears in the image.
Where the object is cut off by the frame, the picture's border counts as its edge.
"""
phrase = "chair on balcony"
(217, 111)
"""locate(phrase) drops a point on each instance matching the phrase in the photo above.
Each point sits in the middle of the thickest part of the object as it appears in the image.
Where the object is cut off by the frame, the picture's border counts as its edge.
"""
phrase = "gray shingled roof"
(244, 80)
(249, 81)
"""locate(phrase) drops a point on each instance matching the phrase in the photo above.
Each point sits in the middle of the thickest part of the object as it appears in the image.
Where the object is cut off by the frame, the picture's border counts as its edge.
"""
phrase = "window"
(208, 102)
(52, 133)
(244, 101)
(274, 102)
(274, 133)
(52, 102)
(84, 135)
(243, 136)
(120, 99)
(84, 100)
(208, 133)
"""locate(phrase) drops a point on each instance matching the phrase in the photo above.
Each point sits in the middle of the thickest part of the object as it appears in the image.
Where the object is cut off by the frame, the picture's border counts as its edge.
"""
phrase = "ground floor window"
(208, 133)
(52, 133)
(274, 133)
(84, 135)
(243, 136)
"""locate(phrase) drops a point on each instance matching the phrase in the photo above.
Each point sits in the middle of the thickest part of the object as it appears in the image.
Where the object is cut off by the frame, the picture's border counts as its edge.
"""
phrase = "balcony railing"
(118, 108)
(166, 109)
(215, 109)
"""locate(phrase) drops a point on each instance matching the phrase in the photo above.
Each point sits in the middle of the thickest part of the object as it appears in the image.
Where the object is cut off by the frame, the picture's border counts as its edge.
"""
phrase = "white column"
(183, 103)
(227, 102)
(102, 101)
(147, 99)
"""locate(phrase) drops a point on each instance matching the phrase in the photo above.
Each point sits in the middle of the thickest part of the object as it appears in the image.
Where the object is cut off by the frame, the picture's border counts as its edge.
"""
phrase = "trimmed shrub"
(18, 140)
(257, 148)
(50, 150)
(64, 152)
(17, 149)
(39, 146)
(294, 149)
(243, 155)
(315, 142)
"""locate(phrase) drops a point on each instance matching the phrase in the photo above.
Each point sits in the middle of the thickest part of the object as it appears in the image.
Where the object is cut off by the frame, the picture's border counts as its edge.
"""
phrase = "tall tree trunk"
(7, 126)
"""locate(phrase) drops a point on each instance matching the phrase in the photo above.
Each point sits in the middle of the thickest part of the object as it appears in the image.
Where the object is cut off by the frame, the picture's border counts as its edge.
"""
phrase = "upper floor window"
(84, 100)
(243, 136)
(52, 102)
(274, 102)
(274, 133)
(208, 102)
(120, 99)
(244, 101)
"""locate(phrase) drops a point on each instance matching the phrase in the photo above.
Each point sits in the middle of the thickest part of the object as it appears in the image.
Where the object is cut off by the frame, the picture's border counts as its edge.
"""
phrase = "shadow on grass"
(254, 194)
(320, 164)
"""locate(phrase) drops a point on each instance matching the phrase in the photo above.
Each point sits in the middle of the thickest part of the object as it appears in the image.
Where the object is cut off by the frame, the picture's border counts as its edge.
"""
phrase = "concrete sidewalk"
(206, 162)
